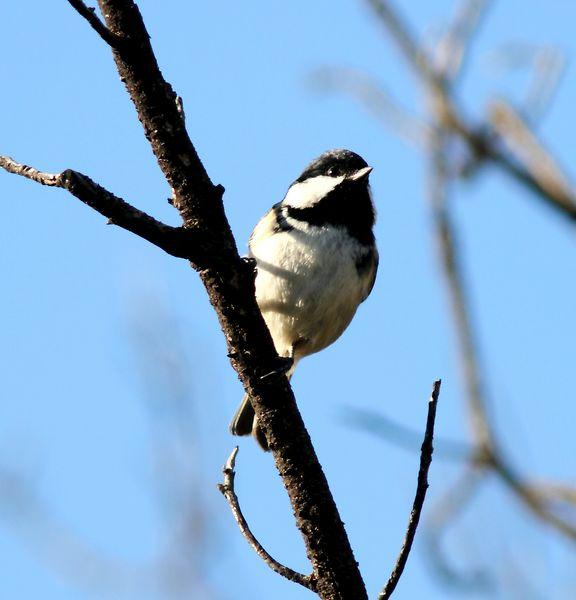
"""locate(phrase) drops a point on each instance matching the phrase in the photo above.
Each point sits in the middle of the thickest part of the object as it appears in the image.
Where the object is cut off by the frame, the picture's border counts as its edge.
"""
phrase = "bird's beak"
(361, 174)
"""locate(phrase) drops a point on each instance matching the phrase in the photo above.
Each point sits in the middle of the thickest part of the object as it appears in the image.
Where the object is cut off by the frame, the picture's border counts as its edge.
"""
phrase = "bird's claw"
(285, 364)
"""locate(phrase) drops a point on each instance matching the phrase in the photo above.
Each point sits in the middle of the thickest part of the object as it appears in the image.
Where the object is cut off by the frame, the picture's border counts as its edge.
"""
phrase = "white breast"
(307, 287)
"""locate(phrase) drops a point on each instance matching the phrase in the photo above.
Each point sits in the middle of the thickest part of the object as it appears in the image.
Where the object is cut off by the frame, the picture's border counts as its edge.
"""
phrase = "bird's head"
(334, 172)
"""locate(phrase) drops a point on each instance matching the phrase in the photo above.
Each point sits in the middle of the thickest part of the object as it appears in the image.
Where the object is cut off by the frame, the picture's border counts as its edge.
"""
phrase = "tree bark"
(229, 282)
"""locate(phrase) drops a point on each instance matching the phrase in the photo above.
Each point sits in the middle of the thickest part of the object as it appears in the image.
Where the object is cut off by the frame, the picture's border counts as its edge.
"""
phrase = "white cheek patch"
(307, 193)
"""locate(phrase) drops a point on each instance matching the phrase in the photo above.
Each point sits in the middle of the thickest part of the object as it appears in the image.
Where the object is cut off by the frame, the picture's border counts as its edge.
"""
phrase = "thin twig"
(422, 487)
(405, 39)
(488, 450)
(457, 294)
(10, 165)
(454, 47)
(227, 490)
(533, 500)
(89, 13)
(177, 241)
(554, 492)
(530, 152)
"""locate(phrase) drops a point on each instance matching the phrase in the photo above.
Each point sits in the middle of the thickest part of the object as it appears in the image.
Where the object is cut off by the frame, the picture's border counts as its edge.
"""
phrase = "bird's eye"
(333, 171)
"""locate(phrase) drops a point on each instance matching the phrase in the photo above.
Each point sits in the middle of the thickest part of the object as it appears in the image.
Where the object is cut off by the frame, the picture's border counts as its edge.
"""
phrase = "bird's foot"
(284, 365)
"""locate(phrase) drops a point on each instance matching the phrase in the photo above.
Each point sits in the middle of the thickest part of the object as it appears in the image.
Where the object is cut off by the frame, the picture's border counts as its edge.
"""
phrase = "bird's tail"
(245, 423)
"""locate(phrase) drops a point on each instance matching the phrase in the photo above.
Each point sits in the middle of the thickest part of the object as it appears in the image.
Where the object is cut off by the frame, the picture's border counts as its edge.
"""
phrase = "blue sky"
(84, 424)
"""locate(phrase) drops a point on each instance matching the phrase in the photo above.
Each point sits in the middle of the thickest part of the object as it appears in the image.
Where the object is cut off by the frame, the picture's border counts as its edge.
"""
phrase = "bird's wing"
(272, 222)
(367, 267)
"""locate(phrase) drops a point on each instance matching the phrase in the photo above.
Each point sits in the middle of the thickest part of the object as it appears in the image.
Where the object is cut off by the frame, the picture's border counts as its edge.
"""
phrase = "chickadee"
(316, 261)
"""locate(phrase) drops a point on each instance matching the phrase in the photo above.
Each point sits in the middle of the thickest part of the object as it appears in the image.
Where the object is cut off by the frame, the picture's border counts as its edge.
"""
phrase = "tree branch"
(403, 37)
(177, 241)
(455, 45)
(488, 451)
(534, 500)
(535, 169)
(425, 462)
(530, 153)
(229, 282)
(227, 490)
(453, 272)
(89, 14)
(10, 165)
(452, 119)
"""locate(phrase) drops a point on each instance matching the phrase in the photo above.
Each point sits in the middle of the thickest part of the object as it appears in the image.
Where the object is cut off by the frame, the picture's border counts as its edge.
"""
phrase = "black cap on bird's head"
(334, 190)
(337, 163)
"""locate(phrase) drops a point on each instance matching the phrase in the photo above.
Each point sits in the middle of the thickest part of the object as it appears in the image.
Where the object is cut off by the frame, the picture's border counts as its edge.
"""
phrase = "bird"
(316, 261)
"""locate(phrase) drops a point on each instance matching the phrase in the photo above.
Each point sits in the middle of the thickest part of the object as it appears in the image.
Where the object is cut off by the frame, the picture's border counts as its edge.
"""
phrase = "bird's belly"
(308, 290)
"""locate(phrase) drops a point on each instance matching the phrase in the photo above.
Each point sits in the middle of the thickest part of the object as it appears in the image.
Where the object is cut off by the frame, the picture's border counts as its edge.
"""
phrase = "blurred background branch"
(457, 147)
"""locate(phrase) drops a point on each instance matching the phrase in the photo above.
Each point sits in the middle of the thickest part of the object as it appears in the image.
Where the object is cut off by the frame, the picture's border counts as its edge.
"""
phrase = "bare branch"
(422, 487)
(531, 154)
(451, 118)
(534, 500)
(404, 38)
(554, 492)
(488, 451)
(563, 204)
(454, 46)
(176, 241)
(227, 490)
(10, 165)
(89, 13)
(458, 297)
